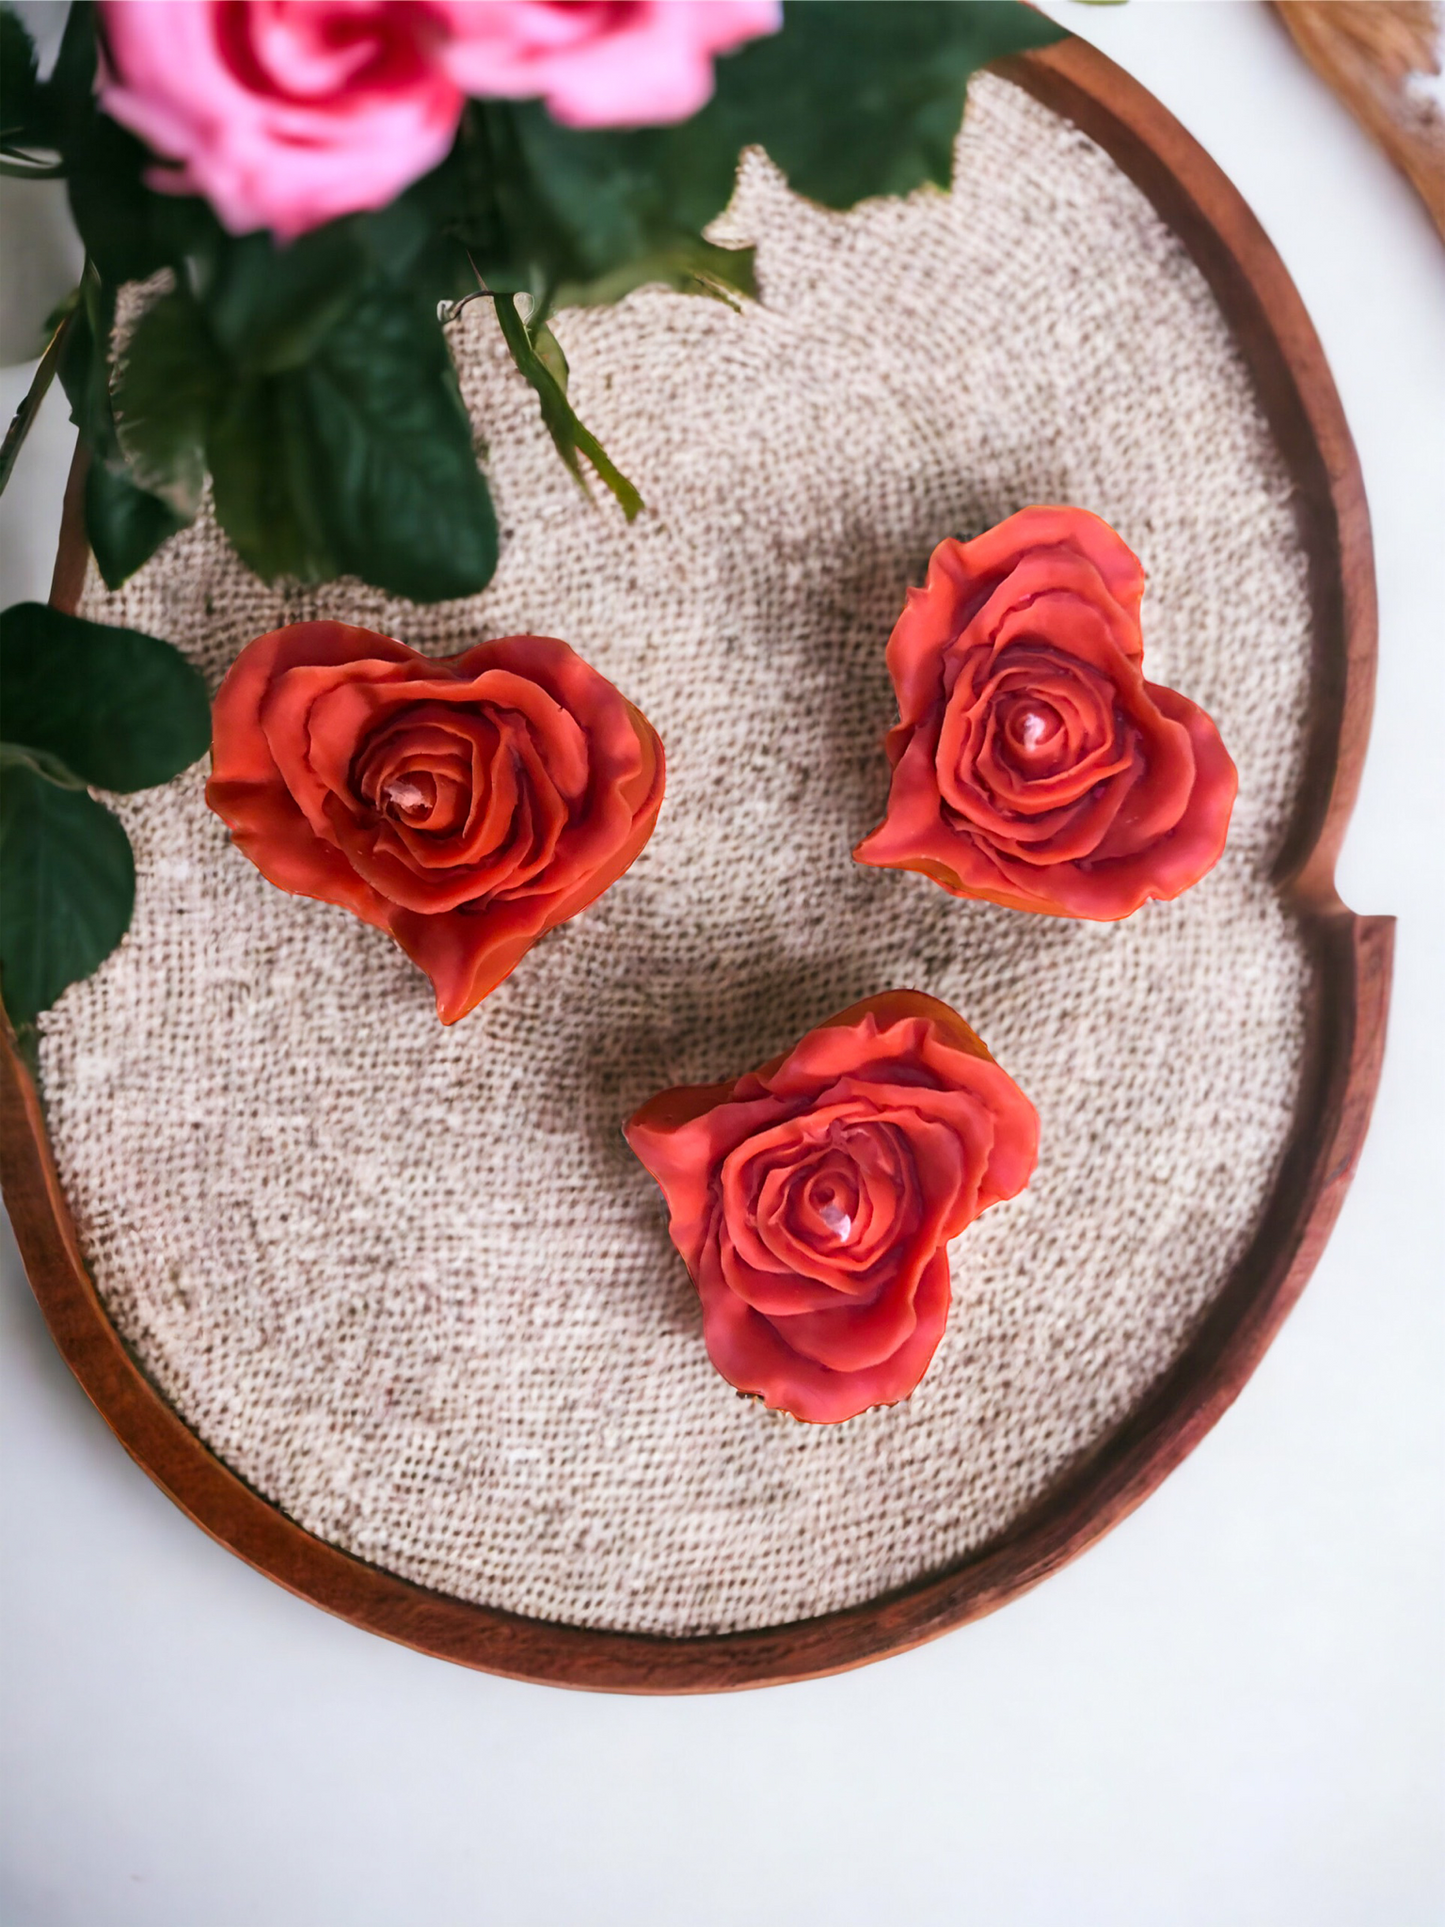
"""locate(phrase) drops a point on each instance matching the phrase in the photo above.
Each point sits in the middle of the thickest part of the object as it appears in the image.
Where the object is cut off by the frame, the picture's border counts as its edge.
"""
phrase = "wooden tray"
(1346, 1035)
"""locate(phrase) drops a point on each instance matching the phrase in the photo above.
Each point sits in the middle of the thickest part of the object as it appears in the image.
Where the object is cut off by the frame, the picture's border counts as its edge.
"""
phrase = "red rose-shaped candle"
(1033, 766)
(813, 1199)
(464, 805)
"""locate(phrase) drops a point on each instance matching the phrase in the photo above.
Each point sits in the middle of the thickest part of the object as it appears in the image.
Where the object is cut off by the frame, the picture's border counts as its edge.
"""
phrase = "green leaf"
(122, 710)
(590, 204)
(549, 351)
(860, 97)
(487, 197)
(40, 762)
(570, 438)
(262, 497)
(19, 75)
(690, 266)
(111, 206)
(269, 306)
(360, 462)
(84, 368)
(25, 121)
(170, 383)
(399, 238)
(125, 525)
(68, 881)
(124, 522)
(114, 211)
(853, 98)
(128, 230)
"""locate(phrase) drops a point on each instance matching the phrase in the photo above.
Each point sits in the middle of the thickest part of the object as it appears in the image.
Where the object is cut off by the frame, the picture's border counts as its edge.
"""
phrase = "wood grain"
(1346, 1039)
(1373, 54)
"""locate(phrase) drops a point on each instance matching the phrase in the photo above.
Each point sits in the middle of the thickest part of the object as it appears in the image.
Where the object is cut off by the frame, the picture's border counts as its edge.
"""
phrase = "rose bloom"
(465, 805)
(1033, 766)
(282, 113)
(812, 1200)
(288, 113)
(600, 63)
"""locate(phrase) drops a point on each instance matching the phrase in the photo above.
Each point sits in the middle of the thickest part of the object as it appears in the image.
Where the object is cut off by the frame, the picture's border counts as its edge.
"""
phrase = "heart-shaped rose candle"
(813, 1199)
(1033, 766)
(465, 805)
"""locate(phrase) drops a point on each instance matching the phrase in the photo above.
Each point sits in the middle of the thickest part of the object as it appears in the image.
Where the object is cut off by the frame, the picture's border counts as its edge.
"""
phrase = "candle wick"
(838, 1222)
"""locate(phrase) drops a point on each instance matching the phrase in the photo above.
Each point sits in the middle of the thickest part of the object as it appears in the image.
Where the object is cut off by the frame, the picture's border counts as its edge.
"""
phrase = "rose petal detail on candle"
(1033, 766)
(812, 1200)
(465, 805)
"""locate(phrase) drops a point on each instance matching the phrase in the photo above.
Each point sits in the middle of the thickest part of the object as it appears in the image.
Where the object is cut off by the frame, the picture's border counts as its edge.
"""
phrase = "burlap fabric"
(409, 1282)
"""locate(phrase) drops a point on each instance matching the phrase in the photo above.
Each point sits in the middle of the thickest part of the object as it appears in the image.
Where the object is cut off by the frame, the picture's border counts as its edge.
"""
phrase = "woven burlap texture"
(408, 1281)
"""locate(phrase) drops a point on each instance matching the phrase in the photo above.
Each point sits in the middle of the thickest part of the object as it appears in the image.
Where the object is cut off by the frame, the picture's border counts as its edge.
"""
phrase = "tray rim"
(1346, 1034)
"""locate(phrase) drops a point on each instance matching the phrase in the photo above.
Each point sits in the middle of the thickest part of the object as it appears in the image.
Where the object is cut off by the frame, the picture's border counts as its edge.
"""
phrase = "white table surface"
(1229, 1714)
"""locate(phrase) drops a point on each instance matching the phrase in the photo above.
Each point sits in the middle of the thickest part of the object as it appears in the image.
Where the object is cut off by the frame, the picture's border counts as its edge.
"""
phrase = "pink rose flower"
(288, 113)
(283, 114)
(600, 63)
